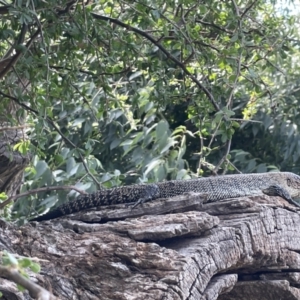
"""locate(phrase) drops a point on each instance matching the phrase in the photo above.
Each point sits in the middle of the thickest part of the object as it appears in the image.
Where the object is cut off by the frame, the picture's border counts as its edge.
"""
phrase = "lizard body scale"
(284, 184)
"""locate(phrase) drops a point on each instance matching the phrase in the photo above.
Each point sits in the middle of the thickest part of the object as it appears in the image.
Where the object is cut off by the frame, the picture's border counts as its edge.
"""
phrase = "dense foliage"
(140, 91)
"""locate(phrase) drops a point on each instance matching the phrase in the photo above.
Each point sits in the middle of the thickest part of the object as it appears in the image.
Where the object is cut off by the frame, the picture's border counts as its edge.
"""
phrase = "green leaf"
(71, 163)
(41, 168)
(3, 196)
(114, 144)
(24, 262)
(78, 121)
(135, 74)
(162, 129)
(167, 145)
(235, 37)
(35, 267)
(153, 164)
(10, 259)
(20, 288)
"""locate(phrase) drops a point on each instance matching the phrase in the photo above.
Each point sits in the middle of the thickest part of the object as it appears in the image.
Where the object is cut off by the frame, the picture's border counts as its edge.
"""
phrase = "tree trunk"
(167, 249)
(12, 162)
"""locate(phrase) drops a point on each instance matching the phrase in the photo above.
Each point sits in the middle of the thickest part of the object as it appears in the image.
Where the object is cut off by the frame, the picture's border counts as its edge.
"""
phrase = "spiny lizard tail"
(118, 195)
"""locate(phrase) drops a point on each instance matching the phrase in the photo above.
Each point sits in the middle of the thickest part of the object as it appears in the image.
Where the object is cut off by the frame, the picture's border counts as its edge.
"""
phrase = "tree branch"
(51, 122)
(35, 291)
(43, 189)
(248, 8)
(167, 53)
(16, 57)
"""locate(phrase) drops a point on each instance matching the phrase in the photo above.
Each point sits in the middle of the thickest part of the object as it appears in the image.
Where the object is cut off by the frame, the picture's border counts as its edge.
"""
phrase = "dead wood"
(167, 249)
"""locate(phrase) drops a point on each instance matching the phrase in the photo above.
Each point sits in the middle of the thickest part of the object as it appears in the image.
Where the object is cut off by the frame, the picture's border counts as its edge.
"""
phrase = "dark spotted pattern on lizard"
(283, 184)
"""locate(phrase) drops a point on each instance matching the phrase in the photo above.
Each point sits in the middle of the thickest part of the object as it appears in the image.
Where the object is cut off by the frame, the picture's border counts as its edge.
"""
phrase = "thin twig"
(214, 134)
(242, 120)
(78, 152)
(14, 127)
(213, 25)
(43, 189)
(238, 73)
(239, 60)
(230, 163)
(16, 57)
(248, 8)
(201, 154)
(35, 291)
(215, 170)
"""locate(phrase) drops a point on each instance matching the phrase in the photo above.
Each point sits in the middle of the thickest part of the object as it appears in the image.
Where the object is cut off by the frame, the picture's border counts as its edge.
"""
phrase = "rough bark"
(12, 163)
(167, 249)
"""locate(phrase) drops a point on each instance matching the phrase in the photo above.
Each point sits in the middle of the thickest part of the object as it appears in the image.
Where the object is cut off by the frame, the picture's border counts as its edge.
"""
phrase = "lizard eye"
(289, 182)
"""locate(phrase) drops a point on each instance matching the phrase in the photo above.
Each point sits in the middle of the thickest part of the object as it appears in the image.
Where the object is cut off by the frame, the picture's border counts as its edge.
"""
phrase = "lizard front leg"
(150, 192)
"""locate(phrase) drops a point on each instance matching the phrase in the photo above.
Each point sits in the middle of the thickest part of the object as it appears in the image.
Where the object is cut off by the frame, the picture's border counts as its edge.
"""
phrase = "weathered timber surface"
(168, 249)
(12, 162)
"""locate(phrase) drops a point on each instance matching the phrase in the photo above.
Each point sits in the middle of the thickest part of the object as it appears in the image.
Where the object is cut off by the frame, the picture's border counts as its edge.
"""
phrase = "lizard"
(283, 184)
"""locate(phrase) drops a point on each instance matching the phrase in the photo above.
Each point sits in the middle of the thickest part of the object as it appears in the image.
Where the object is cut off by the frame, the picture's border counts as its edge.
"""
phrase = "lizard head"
(293, 184)
(286, 187)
